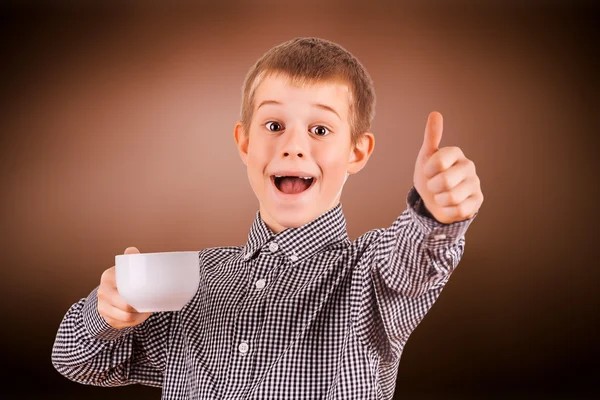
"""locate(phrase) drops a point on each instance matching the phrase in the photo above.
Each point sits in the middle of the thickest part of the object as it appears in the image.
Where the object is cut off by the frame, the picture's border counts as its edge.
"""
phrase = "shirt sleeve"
(88, 350)
(401, 272)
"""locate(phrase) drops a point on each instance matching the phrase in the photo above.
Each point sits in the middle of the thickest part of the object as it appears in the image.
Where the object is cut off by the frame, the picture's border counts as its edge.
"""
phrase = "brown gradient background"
(116, 130)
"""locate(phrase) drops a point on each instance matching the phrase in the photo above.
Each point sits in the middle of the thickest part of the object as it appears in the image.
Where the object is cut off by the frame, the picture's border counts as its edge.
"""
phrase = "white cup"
(154, 282)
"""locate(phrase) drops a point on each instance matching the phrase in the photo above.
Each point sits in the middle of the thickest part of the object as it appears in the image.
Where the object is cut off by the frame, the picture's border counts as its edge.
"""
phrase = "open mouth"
(292, 184)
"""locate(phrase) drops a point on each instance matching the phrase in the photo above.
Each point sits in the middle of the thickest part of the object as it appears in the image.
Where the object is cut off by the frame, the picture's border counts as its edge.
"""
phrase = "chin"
(281, 215)
(291, 219)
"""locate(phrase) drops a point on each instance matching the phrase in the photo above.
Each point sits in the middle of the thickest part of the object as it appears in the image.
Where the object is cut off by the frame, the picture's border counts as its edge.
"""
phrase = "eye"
(273, 126)
(320, 130)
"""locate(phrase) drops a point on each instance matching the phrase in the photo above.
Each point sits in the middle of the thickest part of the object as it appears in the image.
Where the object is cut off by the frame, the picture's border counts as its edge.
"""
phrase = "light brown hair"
(313, 60)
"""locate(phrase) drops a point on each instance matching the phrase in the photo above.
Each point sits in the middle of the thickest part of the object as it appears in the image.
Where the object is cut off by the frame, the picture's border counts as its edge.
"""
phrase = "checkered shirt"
(302, 314)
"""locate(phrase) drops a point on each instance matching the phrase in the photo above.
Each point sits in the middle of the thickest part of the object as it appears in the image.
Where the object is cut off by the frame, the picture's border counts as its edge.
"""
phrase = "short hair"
(314, 60)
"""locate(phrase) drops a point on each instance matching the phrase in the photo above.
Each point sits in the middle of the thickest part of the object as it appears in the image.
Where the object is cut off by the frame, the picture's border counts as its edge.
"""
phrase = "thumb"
(131, 250)
(433, 134)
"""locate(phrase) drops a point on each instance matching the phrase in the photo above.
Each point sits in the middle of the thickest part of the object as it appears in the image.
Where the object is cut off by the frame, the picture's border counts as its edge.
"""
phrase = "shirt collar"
(299, 243)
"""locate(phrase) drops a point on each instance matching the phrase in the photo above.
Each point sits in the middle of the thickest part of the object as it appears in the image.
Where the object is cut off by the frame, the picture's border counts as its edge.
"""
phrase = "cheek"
(256, 152)
(260, 154)
(334, 172)
(334, 159)
(334, 169)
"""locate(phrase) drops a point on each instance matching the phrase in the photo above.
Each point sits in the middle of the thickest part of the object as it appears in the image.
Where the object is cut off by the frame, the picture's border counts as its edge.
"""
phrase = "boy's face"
(298, 149)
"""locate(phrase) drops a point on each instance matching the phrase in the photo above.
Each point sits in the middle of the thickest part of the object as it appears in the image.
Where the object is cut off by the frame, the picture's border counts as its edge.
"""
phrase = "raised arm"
(405, 267)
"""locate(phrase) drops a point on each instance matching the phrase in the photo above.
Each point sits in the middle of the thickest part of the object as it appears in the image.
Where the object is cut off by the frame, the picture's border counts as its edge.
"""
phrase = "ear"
(361, 152)
(241, 139)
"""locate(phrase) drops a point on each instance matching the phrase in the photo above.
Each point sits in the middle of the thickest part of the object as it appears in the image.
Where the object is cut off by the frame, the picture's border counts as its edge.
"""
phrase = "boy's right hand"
(115, 311)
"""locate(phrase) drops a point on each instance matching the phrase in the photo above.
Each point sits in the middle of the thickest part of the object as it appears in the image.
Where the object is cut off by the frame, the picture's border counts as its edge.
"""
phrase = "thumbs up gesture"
(444, 178)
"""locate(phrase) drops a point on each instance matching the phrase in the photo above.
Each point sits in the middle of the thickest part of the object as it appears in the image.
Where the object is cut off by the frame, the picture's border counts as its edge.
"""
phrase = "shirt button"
(247, 256)
(260, 284)
(439, 237)
(243, 348)
(294, 258)
(273, 247)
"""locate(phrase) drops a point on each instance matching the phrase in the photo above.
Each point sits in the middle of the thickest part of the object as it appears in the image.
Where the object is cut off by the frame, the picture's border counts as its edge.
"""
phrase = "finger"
(462, 211)
(452, 177)
(110, 296)
(458, 193)
(112, 322)
(122, 312)
(108, 277)
(433, 135)
(117, 301)
(448, 178)
(131, 250)
(108, 292)
(442, 160)
(118, 318)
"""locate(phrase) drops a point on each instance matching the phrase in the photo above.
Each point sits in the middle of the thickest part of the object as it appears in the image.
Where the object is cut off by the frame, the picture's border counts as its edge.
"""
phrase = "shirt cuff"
(95, 324)
(436, 234)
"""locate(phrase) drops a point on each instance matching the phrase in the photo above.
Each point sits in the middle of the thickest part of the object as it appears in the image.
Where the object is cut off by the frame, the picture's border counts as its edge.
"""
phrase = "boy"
(299, 311)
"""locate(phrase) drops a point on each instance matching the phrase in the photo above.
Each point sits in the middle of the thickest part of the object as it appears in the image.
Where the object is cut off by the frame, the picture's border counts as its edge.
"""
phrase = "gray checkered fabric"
(303, 314)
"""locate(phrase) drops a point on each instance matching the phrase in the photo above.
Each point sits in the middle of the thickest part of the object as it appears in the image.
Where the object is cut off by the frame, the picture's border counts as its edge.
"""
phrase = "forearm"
(87, 350)
(402, 274)
(417, 253)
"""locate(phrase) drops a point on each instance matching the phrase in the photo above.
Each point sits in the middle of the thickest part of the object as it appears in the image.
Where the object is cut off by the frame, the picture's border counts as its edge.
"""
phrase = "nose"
(295, 143)
(287, 154)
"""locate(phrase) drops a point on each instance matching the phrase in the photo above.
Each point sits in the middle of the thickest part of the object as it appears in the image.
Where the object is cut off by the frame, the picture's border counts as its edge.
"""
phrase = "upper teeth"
(303, 177)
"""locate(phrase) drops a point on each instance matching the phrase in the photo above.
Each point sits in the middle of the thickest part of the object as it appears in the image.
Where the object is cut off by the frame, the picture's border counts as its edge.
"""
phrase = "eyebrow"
(319, 105)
